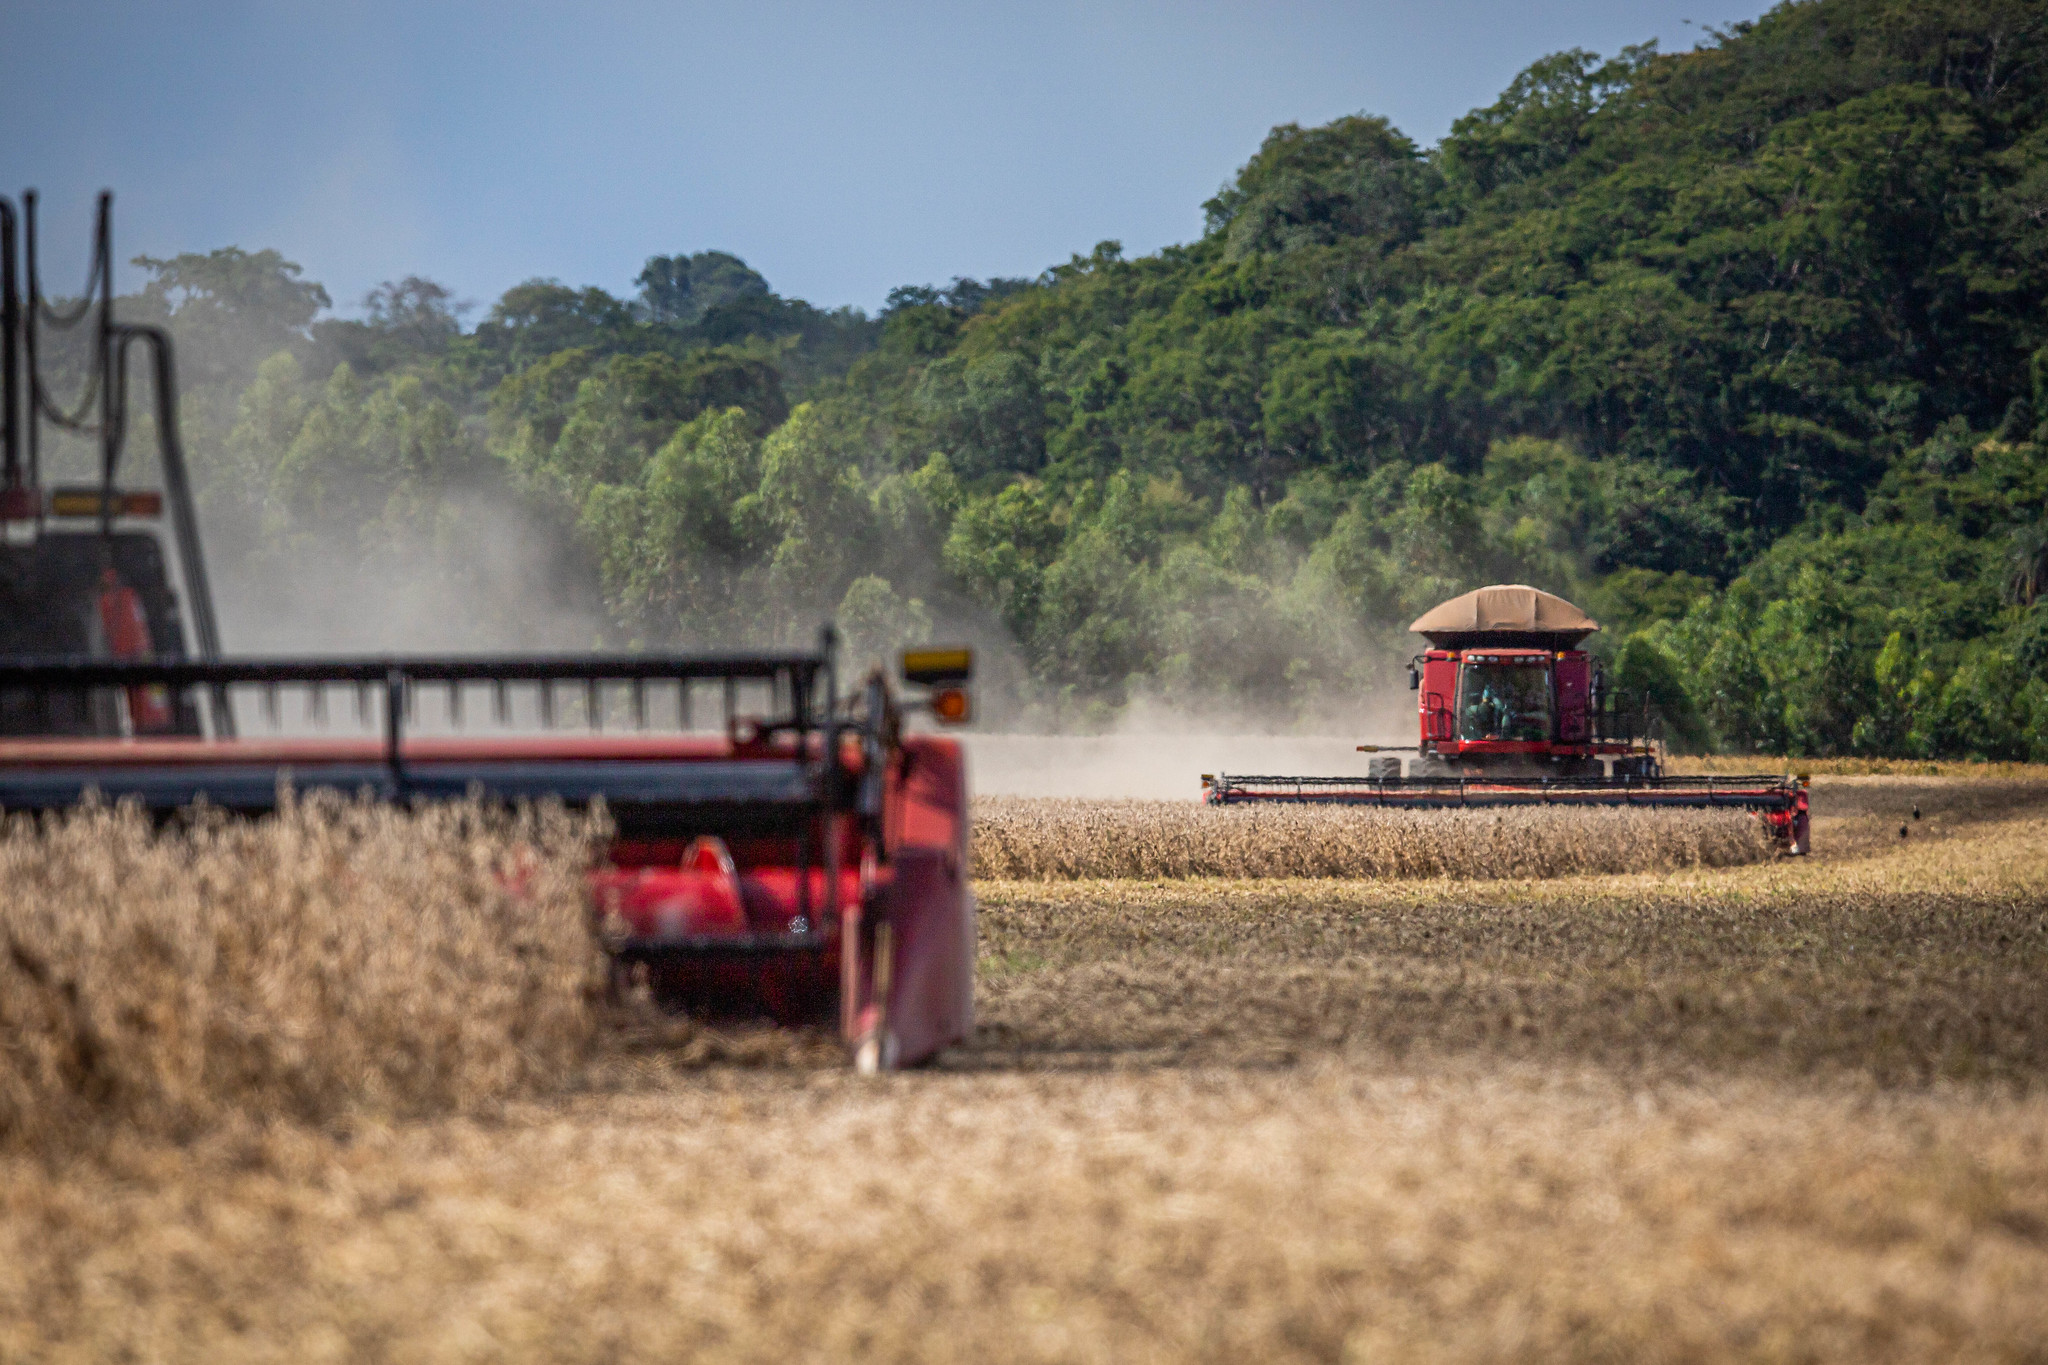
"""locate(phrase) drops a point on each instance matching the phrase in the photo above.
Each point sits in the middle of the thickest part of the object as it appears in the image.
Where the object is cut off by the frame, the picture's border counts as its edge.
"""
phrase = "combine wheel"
(876, 1053)
(876, 1050)
(1801, 843)
(874, 1056)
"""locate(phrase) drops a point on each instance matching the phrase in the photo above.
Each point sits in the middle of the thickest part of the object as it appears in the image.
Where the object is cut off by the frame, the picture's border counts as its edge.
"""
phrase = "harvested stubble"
(1791, 1111)
(1455, 1213)
(336, 957)
(1054, 839)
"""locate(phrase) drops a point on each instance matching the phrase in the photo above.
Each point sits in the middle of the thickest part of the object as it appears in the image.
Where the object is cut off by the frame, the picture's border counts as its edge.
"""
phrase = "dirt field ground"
(1787, 1111)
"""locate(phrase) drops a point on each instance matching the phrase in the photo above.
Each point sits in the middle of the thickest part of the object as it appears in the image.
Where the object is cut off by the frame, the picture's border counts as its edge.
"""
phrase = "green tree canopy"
(1744, 348)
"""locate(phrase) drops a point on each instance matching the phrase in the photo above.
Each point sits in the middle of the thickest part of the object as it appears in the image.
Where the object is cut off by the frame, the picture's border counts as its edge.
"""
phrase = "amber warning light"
(89, 502)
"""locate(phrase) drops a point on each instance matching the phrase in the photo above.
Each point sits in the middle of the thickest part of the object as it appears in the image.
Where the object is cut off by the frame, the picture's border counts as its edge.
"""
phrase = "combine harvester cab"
(780, 850)
(1505, 691)
(1511, 712)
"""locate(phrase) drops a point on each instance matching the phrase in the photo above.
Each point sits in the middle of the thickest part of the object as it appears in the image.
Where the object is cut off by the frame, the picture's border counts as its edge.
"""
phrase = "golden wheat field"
(1763, 1110)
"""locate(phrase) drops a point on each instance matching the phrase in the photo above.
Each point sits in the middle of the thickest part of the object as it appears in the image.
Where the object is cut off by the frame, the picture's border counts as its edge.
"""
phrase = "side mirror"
(1414, 680)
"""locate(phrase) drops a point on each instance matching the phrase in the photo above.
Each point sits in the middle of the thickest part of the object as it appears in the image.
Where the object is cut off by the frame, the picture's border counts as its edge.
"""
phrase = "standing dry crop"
(1052, 838)
(335, 956)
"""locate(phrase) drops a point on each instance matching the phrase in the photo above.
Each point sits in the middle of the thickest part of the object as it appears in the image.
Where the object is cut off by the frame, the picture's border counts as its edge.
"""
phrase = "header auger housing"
(1511, 712)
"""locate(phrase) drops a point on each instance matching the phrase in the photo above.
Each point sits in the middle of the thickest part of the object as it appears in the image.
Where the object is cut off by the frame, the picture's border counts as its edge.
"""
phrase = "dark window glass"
(1504, 701)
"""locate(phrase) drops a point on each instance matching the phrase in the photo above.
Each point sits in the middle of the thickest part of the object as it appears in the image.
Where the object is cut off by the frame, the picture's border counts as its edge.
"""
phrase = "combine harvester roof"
(1508, 614)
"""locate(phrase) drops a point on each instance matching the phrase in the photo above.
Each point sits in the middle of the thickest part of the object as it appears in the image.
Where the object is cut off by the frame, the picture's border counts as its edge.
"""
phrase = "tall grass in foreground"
(1038, 838)
(337, 956)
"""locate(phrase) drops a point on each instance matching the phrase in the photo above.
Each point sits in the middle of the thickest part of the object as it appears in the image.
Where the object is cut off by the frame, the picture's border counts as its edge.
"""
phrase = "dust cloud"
(1155, 766)
(1161, 754)
(493, 579)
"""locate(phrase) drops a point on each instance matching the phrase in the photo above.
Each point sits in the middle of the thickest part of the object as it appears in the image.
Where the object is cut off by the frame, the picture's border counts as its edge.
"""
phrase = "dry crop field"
(1700, 1106)
(1040, 838)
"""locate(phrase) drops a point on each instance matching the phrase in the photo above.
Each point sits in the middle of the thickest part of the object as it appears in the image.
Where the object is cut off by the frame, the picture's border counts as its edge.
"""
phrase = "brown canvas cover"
(1508, 614)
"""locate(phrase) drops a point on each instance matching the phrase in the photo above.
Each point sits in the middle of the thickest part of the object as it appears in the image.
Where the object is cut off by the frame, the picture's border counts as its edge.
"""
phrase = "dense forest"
(1744, 349)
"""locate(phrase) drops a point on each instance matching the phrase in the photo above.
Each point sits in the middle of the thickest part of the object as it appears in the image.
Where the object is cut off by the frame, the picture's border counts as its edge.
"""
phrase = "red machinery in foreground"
(804, 860)
(83, 568)
(1512, 712)
(781, 851)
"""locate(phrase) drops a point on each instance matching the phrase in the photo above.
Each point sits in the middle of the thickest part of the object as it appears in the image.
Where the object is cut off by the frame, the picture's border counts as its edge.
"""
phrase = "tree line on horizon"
(1744, 349)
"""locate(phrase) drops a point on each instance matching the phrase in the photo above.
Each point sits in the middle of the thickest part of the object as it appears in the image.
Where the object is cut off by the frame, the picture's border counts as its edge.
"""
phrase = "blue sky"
(841, 149)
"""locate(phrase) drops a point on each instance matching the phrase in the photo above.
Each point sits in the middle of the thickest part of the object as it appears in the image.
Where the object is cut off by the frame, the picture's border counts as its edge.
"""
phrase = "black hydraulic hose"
(36, 312)
(394, 729)
(828, 649)
(33, 413)
(178, 492)
(111, 369)
(93, 272)
(10, 357)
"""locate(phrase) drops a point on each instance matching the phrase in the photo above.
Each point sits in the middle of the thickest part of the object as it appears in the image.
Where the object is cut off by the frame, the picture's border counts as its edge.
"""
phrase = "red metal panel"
(690, 901)
(1574, 683)
(931, 980)
(932, 796)
(1439, 690)
(931, 995)
(928, 999)
(126, 627)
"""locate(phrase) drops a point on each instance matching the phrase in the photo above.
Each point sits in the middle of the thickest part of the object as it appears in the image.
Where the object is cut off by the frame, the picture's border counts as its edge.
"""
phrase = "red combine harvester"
(1512, 712)
(781, 850)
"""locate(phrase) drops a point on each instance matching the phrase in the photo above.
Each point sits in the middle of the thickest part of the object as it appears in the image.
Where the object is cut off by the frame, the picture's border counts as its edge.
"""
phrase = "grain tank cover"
(1507, 615)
